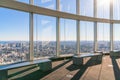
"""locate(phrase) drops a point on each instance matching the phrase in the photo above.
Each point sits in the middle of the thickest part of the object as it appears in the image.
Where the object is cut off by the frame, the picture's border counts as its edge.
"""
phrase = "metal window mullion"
(111, 37)
(78, 37)
(31, 35)
(57, 30)
(111, 25)
(95, 27)
(78, 26)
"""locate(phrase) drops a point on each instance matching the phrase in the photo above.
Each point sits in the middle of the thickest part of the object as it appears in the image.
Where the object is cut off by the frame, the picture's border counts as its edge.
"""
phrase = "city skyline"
(17, 51)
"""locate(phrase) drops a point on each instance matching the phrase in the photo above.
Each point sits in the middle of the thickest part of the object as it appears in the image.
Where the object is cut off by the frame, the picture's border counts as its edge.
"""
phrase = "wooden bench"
(44, 65)
(103, 52)
(78, 59)
(98, 52)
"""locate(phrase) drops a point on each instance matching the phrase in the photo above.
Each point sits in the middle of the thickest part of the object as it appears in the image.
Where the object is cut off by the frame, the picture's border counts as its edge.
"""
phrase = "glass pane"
(116, 37)
(86, 36)
(44, 36)
(104, 37)
(67, 36)
(68, 6)
(103, 9)
(24, 1)
(50, 4)
(14, 36)
(116, 9)
(86, 7)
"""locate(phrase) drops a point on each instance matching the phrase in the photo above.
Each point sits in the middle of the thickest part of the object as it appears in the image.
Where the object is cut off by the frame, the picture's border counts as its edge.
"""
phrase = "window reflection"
(68, 6)
(104, 37)
(50, 4)
(86, 36)
(116, 36)
(45, 36)
(67, 36)
(14, 36)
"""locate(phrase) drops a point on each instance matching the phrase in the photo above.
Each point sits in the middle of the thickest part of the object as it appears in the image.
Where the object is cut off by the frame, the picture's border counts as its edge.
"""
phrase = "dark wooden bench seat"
(115, 53)
(44, 65)
(78, 59)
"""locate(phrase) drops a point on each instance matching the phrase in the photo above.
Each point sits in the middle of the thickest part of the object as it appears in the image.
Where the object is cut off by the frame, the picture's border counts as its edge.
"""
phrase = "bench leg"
(3, 75)
(46, 66)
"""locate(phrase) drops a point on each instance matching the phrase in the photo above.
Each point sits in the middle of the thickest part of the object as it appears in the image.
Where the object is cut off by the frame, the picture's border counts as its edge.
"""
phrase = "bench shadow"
(91, 62)
(20, 72)
(37, 75)
(116, 67)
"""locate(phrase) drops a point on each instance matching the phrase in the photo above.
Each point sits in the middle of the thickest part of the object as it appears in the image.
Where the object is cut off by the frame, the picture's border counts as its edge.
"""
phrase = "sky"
(14, 25)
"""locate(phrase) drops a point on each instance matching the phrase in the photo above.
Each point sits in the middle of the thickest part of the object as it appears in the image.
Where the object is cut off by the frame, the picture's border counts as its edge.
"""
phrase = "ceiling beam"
(44, 11)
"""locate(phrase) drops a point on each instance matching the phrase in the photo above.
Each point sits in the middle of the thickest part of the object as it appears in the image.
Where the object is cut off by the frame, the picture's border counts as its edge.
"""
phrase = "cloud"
(45, 1)
(68, 8)
(44, 22)
(50, 6)
(65, 7)
(47, 34)
(61, 6)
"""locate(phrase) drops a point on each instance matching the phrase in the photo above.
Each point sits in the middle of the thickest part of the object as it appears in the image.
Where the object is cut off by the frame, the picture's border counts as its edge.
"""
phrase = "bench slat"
(88, 55)
(78, 59)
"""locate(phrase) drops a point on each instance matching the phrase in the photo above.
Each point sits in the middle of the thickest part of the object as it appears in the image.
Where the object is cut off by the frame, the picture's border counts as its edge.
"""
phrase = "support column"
(78, 26)
(57, 29)
(95, 27)
(31, 34)
(111, 37)
(78, 37)
(95, 37)
(111, 26)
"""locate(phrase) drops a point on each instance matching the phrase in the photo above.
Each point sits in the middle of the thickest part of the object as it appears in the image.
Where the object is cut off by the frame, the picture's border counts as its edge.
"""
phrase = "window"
(68, 6)
(50, 4)
(86, 8)
(104, 37)
(67, 36)
(14, 36)
(86, 36)
(116, 36)
(44, 36)
(24, 1)
(103, 9)
(116, 9)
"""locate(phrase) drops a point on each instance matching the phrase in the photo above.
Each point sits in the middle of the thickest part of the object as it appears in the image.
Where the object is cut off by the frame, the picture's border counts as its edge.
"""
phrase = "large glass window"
(86, 36)
(68, 6)
(116, 9)
(44, 36)
(24, 1)
(103, 9)
(50, 4)
(14, 36)
(116, 36)
(104, 37)
(86, 7)
(67, 36)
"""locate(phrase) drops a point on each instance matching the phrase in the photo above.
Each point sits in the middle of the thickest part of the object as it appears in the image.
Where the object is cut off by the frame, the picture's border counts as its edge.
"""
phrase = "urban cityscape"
(17, 51)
